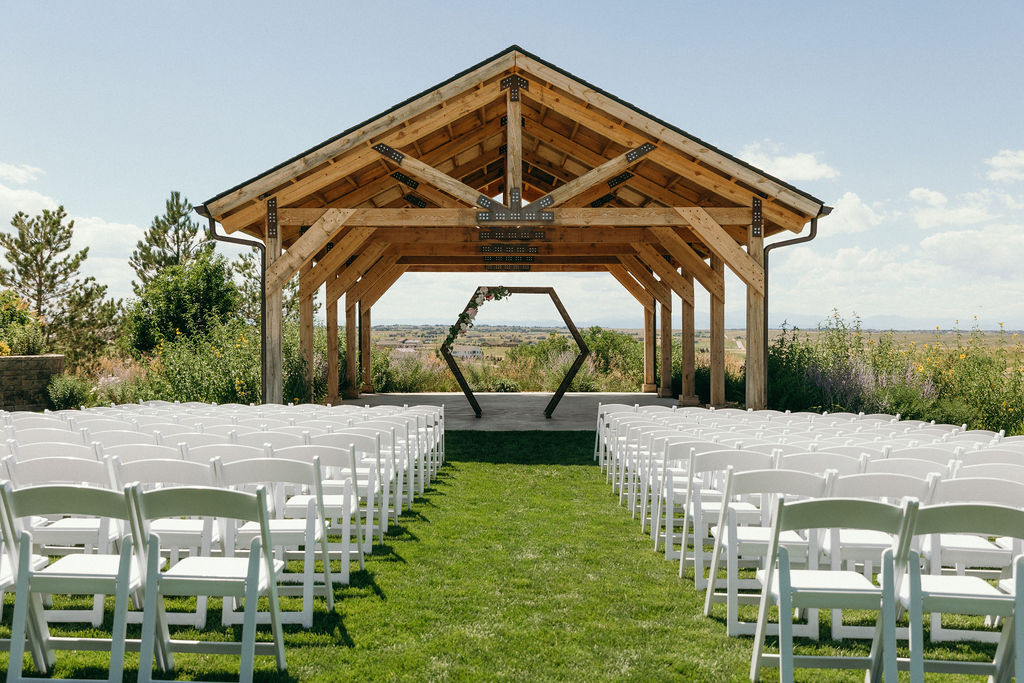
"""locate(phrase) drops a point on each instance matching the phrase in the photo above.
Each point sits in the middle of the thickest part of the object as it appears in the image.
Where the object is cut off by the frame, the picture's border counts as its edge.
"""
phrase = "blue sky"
(907, 117)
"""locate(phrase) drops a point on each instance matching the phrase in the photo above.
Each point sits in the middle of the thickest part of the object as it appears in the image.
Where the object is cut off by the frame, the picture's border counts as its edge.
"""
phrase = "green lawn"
(518, 564)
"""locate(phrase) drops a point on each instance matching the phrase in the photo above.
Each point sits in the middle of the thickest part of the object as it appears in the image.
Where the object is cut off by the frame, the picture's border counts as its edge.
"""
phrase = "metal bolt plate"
(514, 83)
(402, 178)
(515, 215)
(415, 201)
(634, 154)
(389, 152)
(507, 249)
(508, 268)
(601, 201)
(272, 218)
(508, 259)
(511, 234)
(757, 218)
(619, 179)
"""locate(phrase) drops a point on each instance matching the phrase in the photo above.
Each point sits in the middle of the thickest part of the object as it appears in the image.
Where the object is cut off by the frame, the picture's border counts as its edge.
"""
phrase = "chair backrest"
(227, 429)
(770, 483)
(1009, 456)
(37, 421)
(303, 428)
(819, 461)
(983, 519)
(365, 446)
(133, 452)
(228, 452)
(61, 499)
(102, 424)
(856, 451)
(168, 429)
(48, 435)
(122, 437)
(979, 490)
(329, 456)
(274, 439)
(161, 472)
(263, 423)
(194, 439)
(939, 456)
(884, 486)
(998, 470)
(30, 451)
(909, 466)
(57, 470)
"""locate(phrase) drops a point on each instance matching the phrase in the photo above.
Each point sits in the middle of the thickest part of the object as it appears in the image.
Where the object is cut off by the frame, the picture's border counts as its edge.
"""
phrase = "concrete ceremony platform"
(524, 411)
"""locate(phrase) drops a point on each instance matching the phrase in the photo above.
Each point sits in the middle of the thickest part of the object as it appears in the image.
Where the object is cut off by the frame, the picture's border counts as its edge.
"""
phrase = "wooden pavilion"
(588, 183)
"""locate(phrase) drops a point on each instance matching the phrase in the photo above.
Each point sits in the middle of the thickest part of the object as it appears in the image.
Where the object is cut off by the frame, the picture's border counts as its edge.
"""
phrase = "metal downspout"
(256, 244)
(825, 210)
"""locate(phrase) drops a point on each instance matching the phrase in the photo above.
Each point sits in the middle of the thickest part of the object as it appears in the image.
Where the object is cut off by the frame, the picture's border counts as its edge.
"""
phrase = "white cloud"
(768, 156)
(13, 200)
(991, 251)
(19, 173)
(1006, 165)
(851, 215)
(929, 197)
(937, 211)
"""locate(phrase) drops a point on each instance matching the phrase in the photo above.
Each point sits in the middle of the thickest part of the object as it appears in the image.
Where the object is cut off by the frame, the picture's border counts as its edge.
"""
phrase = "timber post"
(649, 384)
(687, 361)
(756, 366)
(273, 377)
(665, 391)
(351, 359)
(306, 332)
(365, 364)
(717, 332)
(332, 353)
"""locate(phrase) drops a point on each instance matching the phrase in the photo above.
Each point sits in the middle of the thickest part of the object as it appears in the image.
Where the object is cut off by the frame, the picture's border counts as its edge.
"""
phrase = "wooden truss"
(516, 165)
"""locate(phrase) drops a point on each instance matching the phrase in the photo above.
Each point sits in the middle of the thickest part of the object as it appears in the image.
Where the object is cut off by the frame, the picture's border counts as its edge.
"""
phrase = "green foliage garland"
(465, 320)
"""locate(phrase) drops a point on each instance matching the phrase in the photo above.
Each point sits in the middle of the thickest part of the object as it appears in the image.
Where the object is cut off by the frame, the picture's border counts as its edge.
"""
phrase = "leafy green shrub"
(69, 392)
(13, 311)
(182, 300)
(505, 385)
(26, 340)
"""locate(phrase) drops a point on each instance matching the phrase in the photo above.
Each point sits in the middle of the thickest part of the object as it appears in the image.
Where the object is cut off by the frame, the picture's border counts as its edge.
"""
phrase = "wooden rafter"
(638, 270)
(627, 281)
(429, 174)
(359, 289)
(690, 261)
(336, 258)
(345, 277)
(608, 169)
(322, 230)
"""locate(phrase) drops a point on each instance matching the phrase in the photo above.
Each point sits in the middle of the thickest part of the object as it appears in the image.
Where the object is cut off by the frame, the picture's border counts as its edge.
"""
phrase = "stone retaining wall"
(23, 380)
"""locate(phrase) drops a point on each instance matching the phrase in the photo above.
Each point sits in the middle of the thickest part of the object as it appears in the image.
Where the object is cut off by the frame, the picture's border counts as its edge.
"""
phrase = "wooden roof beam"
(658, 289)
(343, 279)
(683, 287)
(607, 170)
(442, 181)
(386, 281)
(356, 291)
(724, 247)
(689, 260)
(323, 230)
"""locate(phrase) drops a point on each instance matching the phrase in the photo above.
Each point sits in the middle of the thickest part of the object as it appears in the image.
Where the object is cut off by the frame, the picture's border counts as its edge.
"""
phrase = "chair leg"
(120, 625)
(248, 656)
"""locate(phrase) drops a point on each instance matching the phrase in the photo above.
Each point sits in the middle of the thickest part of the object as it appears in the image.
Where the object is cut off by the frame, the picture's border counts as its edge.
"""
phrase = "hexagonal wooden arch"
(446, 352)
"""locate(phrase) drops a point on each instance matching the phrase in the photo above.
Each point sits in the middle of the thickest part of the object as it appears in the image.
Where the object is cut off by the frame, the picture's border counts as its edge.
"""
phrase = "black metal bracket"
(507, 268)
(508, 259)
(404, 179)
(515, 199)
(507, 249)
(509, 215)
(520, 235)
(619, 179)
(415, 201)
(504, 121)
(389, 152)
(514, 83)
(634, 154)
(601, 201)
(272, 218)
(757, 219)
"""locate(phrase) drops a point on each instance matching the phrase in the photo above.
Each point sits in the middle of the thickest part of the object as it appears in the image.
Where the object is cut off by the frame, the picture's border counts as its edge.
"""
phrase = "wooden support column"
(688, 392)
(364, 346)
(351, 359)
(718, 338)
(273, 377)
(649, 384)
(332, 353)
(757, 368)
(306, 331)
(513, 150)
(665, 391)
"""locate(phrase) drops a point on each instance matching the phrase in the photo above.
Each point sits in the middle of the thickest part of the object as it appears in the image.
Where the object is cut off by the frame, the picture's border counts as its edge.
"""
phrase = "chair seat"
(751, 540)
(182, 532)
(7, 572)
(826, 588)
(334, 505)
(224, 575)
(282, 531)
(86, 570)
(72, 530)
(970, 550)
(960, 595)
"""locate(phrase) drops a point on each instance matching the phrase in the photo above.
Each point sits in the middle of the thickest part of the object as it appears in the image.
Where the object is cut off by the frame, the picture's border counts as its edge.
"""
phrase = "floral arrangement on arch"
(465, 321)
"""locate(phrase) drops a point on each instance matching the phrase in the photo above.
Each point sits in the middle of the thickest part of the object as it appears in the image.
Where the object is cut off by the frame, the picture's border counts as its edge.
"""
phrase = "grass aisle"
(520, 565)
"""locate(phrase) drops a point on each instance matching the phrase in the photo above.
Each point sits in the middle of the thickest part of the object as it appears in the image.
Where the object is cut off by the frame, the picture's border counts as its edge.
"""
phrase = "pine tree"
(172, 239)
(78, 318)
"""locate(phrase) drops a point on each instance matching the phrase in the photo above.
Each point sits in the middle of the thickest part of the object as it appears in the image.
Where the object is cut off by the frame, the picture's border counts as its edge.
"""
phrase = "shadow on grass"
(521, 448)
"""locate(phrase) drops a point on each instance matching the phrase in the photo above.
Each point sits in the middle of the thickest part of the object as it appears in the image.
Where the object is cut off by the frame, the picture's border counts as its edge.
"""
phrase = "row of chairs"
(327, 496)
(725, 491)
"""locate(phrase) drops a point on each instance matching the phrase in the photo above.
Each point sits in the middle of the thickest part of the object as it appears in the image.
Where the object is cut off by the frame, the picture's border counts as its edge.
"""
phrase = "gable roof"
(569, 127)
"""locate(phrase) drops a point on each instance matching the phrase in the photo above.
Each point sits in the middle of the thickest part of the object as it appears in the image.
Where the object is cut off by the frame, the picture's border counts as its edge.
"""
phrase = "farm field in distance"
(495, 340)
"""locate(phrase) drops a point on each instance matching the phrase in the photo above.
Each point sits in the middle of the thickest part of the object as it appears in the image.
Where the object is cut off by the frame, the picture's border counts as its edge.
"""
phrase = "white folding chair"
(122, 437)
(817, 462)
(810, 588)
(49, 435)
(78, 573)
(45, 449)
(735, 544)
(293, 538)
(227, 452)
(921, 593)
(367, 449)
(228, 576)
(133, 452)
